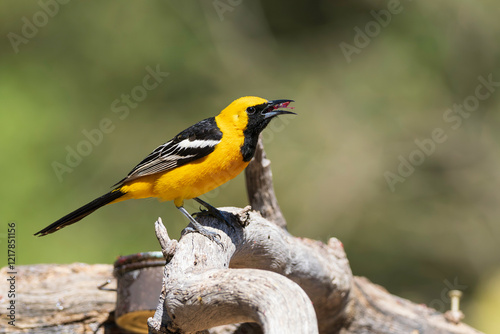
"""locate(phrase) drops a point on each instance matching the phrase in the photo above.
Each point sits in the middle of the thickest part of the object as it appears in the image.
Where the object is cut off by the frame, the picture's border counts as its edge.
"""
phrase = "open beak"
(273, 110)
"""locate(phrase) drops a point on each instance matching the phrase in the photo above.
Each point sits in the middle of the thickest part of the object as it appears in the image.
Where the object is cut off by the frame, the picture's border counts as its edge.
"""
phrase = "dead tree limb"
(342, 304)
(260, 190)
(65, 299)
(205, 285)
(200, 291)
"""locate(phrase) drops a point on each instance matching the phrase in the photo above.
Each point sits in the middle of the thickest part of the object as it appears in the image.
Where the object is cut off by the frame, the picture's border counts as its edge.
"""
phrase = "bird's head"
(253, 114)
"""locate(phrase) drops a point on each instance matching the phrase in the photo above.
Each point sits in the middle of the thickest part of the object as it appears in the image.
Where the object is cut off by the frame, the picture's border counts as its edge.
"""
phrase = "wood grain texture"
(60, 299)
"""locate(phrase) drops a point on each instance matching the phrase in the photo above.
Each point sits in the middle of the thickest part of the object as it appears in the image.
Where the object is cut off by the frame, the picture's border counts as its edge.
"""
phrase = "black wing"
(194, 143)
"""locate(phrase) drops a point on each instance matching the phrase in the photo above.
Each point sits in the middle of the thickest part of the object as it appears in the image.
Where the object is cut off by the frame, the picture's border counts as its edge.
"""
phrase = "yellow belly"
(193, 179)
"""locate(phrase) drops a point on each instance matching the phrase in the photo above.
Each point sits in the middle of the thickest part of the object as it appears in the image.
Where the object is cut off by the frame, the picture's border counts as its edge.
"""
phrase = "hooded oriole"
(197, 160)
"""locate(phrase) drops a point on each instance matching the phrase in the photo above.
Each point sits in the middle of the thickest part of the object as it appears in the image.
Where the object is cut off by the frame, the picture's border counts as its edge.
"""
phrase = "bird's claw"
(212, 236)
(216, 213)
(202, 212)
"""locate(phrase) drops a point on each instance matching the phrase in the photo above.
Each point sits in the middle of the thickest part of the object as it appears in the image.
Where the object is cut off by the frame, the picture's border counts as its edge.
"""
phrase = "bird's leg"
(197, 227)
(213, 211)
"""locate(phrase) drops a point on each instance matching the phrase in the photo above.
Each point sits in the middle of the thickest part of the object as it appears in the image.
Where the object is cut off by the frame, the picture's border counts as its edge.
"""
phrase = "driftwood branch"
(260, 190)
(262, 275)
(342, 304)
(65, 298)
(200, 291)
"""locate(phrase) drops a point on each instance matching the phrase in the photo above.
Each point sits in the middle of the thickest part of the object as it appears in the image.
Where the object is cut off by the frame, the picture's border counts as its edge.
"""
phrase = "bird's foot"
(213, 236)
(197, 227)
(212, 211)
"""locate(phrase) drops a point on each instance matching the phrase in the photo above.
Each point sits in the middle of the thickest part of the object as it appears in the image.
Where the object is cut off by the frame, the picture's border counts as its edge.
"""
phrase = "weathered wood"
(260, 190)
(373, 310)
(59, 299)
(322, 270)
(64, 299)
(200, 291)
(255, 277)
(342, 305)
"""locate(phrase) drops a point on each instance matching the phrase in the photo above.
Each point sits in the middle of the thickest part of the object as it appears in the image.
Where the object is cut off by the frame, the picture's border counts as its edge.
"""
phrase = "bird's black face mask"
(259, 117)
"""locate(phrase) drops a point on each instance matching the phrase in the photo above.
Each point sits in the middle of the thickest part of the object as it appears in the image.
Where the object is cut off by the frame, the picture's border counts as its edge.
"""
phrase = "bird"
(194, 162)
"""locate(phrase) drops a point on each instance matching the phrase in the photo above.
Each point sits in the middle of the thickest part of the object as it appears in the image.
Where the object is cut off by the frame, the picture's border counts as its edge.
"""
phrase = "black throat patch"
(251, 133)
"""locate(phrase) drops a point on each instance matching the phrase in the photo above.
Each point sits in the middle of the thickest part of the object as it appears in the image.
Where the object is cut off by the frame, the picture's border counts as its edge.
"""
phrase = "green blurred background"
(64, 66)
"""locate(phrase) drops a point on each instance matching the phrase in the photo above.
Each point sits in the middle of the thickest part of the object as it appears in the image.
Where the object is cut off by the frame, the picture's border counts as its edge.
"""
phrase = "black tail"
(82, 212)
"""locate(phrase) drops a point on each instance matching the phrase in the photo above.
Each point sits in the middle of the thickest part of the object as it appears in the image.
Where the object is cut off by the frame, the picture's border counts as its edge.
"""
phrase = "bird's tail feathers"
(82, 212)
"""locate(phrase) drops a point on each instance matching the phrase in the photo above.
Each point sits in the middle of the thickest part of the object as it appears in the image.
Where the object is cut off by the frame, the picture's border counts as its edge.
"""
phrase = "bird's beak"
(273, 106)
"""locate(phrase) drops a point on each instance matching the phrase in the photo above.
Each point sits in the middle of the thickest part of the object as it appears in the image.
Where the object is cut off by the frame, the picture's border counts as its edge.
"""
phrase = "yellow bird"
(197, 160)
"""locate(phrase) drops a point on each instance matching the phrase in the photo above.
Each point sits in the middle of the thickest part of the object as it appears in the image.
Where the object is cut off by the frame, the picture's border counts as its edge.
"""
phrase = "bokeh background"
(369, 79)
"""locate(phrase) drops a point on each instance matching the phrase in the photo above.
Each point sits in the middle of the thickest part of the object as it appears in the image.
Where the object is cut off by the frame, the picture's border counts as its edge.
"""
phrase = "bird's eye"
(250, 110)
